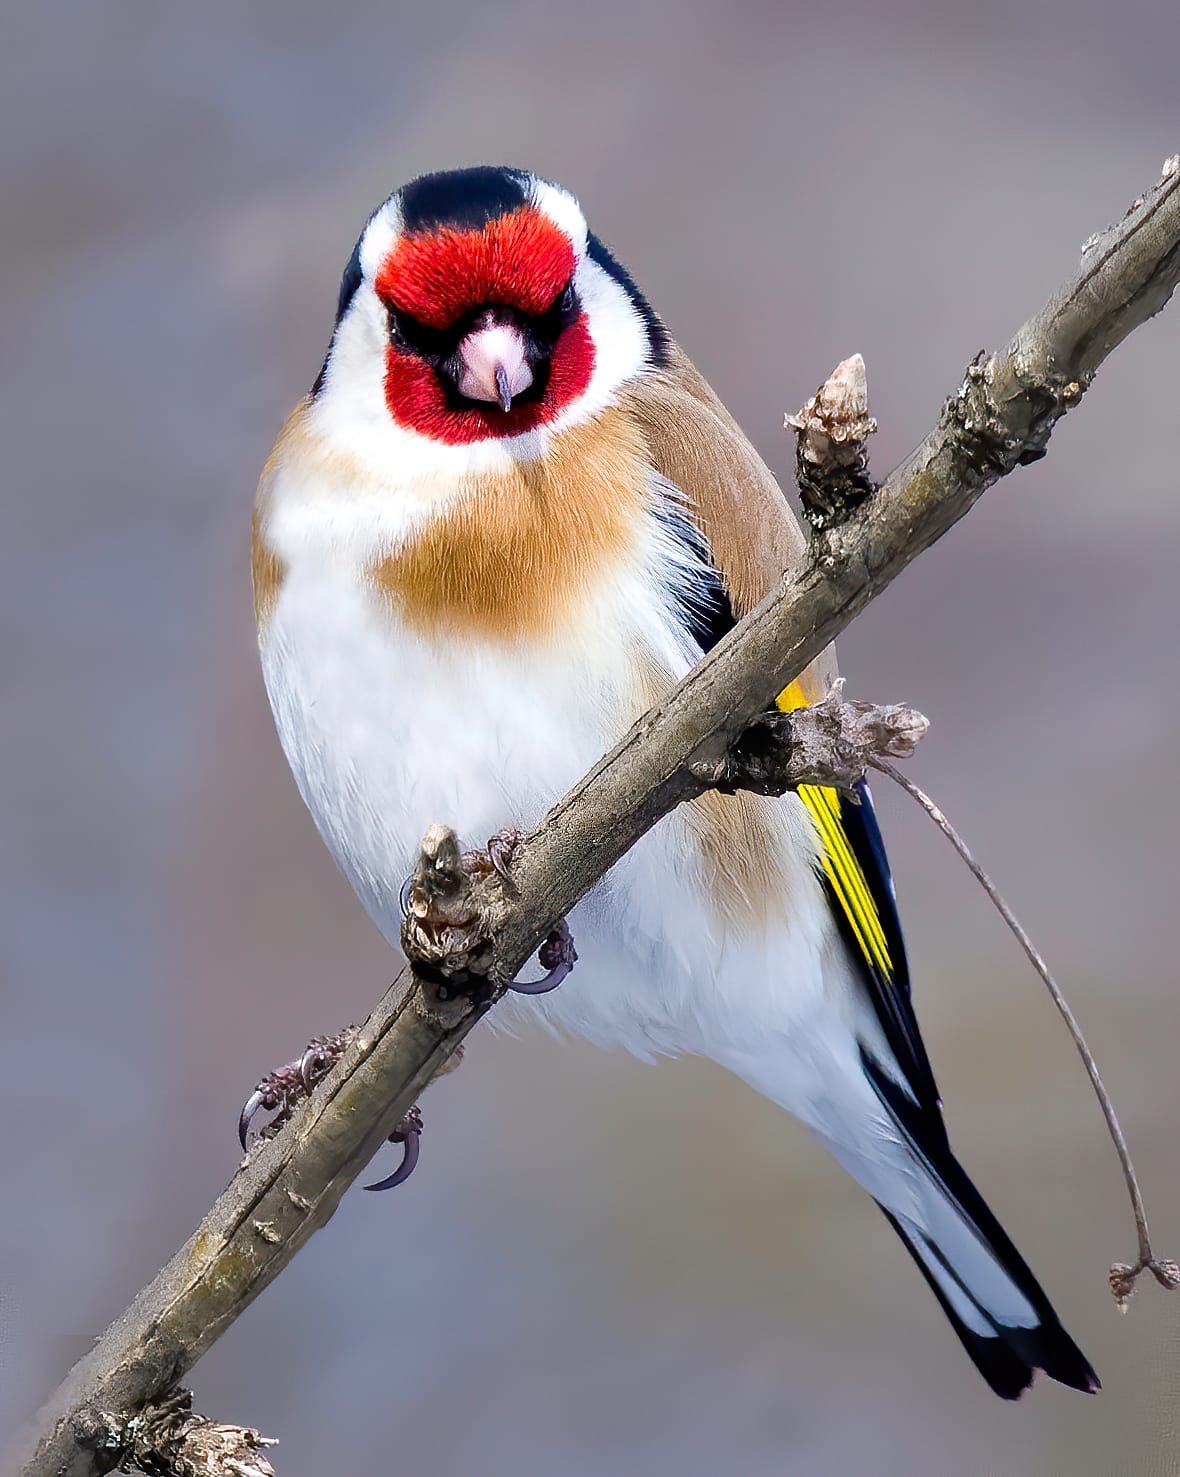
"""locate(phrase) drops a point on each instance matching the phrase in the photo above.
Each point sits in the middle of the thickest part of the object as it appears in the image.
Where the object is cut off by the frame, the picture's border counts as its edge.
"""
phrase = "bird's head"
(477, 309)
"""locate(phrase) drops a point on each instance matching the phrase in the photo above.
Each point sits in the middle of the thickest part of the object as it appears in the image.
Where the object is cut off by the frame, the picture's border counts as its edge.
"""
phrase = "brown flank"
(739, 862)
(266, 568)
(733, 836)
(267, 571)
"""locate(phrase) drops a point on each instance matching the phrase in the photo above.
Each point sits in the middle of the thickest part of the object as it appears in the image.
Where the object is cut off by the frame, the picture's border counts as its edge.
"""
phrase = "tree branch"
(1000, 417)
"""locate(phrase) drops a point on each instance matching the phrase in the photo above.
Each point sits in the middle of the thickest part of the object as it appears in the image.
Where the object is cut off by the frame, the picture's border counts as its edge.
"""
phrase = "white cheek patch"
(621, 345)
(356, 365)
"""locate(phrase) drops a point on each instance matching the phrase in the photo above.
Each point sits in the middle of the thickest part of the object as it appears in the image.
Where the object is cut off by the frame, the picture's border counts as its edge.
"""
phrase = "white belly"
(387, 731)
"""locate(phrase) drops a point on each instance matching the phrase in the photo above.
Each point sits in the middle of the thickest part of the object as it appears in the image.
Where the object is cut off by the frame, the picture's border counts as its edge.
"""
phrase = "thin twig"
(1122, 1275)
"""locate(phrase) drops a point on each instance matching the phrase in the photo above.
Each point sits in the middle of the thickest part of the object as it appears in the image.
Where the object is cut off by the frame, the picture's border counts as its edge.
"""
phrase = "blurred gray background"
(601, 1267)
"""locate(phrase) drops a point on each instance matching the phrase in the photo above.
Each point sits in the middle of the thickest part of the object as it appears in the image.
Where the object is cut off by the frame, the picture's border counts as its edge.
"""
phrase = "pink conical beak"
(493, 365)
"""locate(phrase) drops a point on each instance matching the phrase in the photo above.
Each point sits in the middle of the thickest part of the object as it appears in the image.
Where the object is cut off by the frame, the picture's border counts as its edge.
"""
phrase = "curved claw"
(542, 986)
(558, 956)
(250, 1108)
(285, 1088)
(405, 1169)
(408, 1133)
(311, 1066)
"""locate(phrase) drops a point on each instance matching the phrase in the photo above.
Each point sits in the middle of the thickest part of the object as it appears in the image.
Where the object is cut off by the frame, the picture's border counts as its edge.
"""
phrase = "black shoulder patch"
(464, 198)
(707, 614)
(657, 334)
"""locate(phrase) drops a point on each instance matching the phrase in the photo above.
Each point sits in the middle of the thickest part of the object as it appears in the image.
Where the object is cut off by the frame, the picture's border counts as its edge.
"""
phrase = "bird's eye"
(568, 297)
(408, 334)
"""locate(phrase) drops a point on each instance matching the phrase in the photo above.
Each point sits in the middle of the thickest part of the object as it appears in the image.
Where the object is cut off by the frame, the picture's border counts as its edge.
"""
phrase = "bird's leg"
(500, 850)
(448, 917)
(444, 933)
(557, 956)
(286, 1087)
(409, 1133)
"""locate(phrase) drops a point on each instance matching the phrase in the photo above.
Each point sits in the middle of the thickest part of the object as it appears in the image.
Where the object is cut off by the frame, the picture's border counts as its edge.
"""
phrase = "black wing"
(854, 867)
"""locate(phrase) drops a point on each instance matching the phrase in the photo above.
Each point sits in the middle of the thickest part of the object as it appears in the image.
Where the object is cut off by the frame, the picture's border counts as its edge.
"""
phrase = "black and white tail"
(993, 1301)
(886, 1127)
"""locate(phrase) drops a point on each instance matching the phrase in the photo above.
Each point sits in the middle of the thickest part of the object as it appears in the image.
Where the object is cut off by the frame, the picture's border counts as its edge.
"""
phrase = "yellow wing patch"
(843, 871)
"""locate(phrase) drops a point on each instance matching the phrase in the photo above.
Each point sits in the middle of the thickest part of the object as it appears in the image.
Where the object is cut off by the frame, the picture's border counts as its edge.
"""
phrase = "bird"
(508, 517)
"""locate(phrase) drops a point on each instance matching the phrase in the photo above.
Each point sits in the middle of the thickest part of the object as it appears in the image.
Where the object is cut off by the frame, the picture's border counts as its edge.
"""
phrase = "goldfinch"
(506, 519)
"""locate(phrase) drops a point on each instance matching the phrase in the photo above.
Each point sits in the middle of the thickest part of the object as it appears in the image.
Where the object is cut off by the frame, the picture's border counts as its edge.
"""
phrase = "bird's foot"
(557, 956)
(409, 1133)
(284, 1089)
(449, 913)
(500, 851)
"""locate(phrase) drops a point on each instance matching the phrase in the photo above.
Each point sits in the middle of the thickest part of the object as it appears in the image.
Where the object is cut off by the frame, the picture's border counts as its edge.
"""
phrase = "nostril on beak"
(493, 365)
(503, 388)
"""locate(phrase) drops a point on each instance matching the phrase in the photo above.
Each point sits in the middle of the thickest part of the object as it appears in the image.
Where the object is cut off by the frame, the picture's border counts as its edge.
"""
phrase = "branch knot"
(831, 458)
(984, 423)
(452, 903)
(830, 743)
